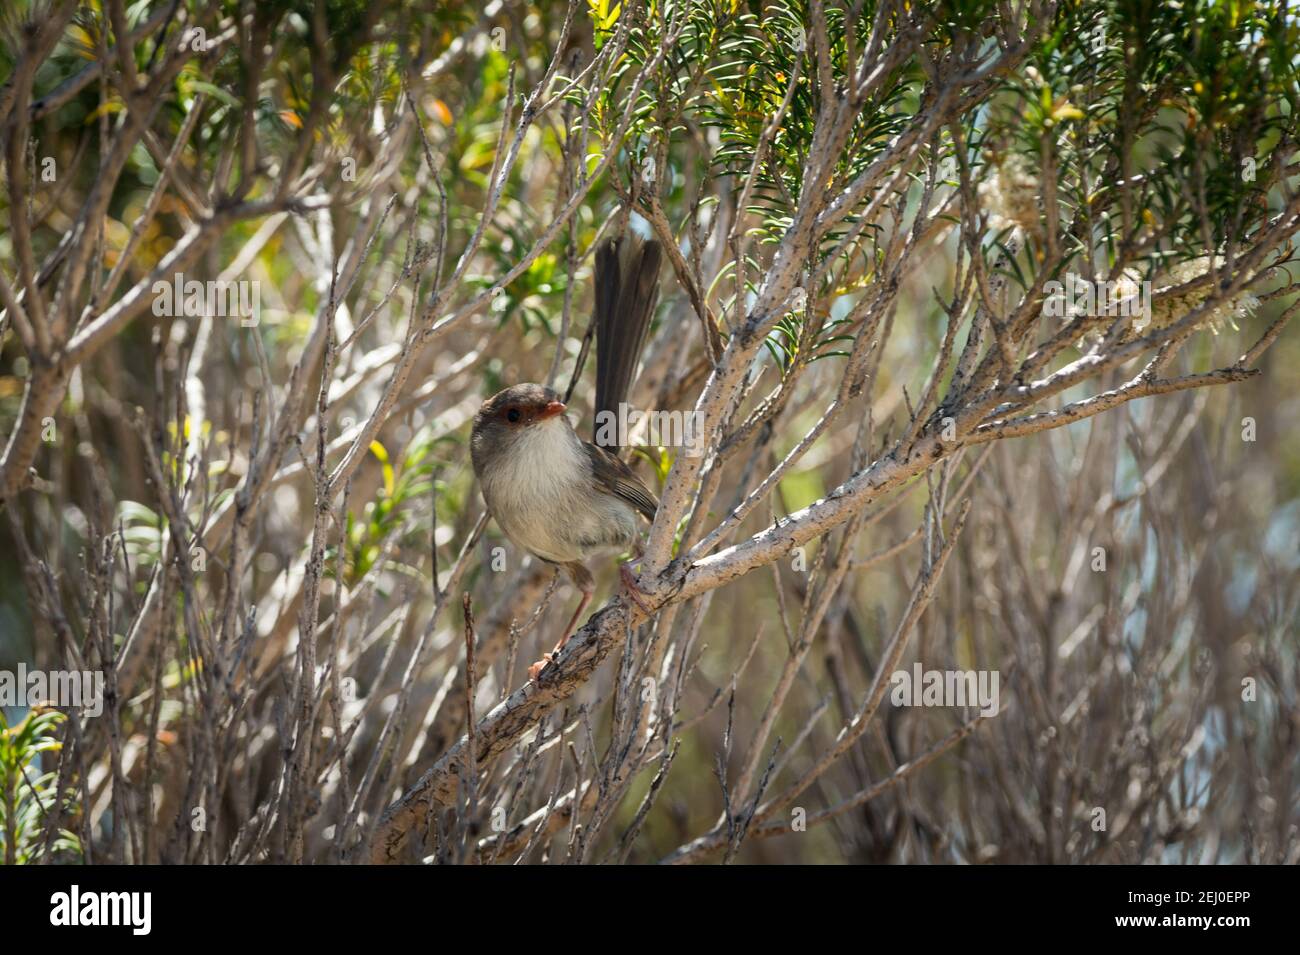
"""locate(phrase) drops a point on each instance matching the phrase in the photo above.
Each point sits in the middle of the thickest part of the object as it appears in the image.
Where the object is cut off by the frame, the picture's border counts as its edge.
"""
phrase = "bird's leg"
(628, 578)
(582, 579)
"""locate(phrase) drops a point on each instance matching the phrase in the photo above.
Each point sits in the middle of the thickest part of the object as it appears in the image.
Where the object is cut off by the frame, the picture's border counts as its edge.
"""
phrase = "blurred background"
(1132, 577)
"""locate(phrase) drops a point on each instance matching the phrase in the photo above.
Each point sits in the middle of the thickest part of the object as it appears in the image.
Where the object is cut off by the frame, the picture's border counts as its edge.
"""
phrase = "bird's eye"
(512, 415)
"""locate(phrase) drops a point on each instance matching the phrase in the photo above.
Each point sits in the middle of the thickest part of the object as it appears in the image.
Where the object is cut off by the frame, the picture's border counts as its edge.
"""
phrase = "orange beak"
(552, 409)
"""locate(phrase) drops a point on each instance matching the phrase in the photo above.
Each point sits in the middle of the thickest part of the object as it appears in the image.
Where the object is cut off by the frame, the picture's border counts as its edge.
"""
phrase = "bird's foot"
(536, 669)
(632, 587)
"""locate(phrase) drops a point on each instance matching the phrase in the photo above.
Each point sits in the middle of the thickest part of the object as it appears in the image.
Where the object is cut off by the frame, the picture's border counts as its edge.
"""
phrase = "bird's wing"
(616, 478)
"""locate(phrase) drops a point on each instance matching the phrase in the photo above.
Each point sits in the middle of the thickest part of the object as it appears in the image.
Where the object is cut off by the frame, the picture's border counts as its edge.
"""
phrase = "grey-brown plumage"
(557, 496)
(553, 494)
(627, 288)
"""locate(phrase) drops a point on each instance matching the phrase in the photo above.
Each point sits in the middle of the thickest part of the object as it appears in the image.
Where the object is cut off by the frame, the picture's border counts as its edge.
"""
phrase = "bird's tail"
(627, 287)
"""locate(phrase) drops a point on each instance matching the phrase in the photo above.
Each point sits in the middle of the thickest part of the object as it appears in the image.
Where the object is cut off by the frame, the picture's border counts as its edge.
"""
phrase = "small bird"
(563, 499)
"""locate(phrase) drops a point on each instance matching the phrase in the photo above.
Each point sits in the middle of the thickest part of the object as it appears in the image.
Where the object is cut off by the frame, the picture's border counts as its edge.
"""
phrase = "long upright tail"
(627, 287)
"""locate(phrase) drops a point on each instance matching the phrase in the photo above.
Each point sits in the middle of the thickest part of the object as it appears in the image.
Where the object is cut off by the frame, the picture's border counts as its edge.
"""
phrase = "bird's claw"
(633, 588)
(536, 669)
(634, 592)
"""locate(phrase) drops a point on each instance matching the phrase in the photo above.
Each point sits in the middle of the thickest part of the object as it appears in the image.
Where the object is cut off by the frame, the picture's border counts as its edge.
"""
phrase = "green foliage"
(395, 512)
(536, 297)
(142, 532)
(786, 342)
(27, 793)
(1174, 104)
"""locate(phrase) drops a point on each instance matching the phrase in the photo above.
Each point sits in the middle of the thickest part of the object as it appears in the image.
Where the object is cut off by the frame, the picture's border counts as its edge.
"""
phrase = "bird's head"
(512, 413)
(521, 406)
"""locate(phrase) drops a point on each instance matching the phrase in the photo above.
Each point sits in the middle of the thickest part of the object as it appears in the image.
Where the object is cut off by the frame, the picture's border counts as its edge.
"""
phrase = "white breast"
(543, 499)
(545, 460)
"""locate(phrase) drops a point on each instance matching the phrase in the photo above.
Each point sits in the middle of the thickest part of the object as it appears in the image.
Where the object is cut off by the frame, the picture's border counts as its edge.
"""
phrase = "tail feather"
(627, 288)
